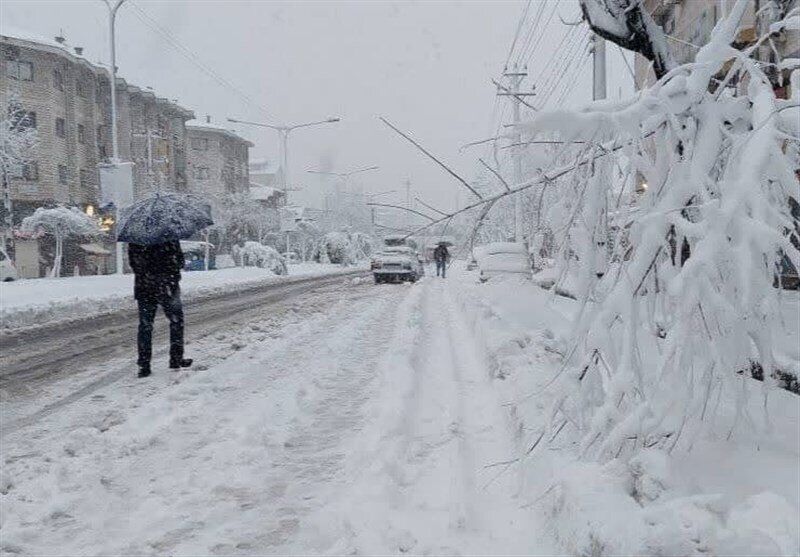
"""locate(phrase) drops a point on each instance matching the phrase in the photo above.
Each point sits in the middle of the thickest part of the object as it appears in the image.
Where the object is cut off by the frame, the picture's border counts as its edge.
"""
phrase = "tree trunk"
(56, 272)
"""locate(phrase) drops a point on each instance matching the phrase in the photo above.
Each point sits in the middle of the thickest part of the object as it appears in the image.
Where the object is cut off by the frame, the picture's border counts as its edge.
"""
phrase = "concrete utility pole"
(599, 94)
(515, 78)
(112, 19)
(598, 68)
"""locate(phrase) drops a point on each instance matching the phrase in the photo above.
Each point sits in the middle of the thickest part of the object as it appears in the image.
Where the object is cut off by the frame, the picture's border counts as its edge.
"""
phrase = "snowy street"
(276, 441)
(400, 278)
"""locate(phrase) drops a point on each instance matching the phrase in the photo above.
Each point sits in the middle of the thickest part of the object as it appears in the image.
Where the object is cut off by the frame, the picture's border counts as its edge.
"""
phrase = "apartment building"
(68, 100)
(217, 159)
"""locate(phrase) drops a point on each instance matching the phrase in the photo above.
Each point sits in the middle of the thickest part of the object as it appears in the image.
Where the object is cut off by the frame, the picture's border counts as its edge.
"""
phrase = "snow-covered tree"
(253, 254)
(17, 142)
(60, 223)
(684, 305)
(628, 24)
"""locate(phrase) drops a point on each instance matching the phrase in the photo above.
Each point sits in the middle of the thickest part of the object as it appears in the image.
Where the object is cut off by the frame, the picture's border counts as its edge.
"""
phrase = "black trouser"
(441, 267)
(169, 298)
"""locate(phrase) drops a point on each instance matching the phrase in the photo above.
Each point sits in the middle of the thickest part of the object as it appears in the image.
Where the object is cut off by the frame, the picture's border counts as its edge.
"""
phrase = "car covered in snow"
(397, 264)
(502, 258)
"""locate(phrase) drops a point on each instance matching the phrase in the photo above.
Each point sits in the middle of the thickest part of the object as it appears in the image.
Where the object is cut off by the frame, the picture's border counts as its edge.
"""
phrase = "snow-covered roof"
(203, 125)
(32, 40)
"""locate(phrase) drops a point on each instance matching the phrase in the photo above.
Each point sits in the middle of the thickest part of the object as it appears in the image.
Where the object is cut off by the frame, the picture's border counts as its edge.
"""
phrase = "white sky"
(424, 65)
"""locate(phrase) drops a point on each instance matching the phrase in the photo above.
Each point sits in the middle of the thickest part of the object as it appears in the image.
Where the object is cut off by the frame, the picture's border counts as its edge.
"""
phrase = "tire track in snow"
(435, 494)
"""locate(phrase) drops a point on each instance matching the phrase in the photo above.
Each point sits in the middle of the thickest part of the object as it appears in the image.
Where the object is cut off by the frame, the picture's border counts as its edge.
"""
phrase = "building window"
(84, 178)
(58, 80)
(61, 127)
(62, 174)
(28, 171)
(81, 88)
(200, 143)
(81, 134)
(201, 173)
(22, 119)
(19, 69)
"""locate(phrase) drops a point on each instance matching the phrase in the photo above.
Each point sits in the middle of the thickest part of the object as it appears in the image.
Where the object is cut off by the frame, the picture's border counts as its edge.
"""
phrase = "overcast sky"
(426, 66)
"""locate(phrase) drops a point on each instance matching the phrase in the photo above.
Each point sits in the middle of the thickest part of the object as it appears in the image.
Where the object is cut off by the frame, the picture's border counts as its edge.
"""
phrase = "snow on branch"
(627, 23)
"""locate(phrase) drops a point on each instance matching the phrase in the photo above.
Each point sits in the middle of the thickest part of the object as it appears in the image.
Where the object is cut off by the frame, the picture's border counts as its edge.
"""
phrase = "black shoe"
(144, 371)
(177, 364)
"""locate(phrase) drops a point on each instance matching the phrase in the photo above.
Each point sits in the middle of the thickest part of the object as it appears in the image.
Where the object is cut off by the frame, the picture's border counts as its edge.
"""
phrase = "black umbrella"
(162, 218)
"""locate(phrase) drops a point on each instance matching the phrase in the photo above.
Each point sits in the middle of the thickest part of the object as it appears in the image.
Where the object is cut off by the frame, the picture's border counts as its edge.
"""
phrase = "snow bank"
(32, 302)
(736, 493)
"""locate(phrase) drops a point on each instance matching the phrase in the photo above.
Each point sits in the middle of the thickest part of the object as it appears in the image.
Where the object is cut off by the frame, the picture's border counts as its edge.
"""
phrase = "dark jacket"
(441, 254)
(157, 268)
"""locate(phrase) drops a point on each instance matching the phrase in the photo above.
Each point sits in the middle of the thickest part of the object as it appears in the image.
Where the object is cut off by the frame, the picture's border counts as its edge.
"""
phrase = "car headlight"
(407, 266)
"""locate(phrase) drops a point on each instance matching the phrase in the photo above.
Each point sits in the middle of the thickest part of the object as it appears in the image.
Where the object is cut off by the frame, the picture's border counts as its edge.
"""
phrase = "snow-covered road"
(355, 418)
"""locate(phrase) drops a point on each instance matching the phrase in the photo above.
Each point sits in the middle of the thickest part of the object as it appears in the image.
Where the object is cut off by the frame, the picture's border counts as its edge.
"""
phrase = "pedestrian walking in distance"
(157, 269)
(441, 256)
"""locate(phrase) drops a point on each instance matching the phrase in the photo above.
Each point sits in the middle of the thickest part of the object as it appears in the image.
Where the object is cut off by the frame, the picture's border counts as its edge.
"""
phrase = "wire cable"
(192, 57)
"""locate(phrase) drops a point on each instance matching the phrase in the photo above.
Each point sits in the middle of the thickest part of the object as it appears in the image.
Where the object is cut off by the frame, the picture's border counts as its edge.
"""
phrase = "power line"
(192, 57)
(531, 31)
(519, 28)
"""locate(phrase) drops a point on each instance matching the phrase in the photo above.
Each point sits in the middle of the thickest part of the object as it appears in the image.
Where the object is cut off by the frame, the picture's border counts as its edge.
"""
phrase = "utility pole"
(515, 78)
(599, 94)
(112, 19)
(598, 68)
(408, 201)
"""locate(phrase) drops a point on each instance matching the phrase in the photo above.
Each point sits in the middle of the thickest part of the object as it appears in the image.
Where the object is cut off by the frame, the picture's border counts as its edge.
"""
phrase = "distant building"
(217, 159)
(68, 100)
(266, 173)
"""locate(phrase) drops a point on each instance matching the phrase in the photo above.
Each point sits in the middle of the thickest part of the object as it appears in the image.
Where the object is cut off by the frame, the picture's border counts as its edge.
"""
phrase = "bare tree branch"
(440, 163)
(404, 209)
(496, 173)
(434, 209)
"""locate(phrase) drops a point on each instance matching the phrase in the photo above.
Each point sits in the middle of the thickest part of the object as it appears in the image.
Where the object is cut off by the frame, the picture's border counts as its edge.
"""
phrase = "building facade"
(217, 160)
(67, 99)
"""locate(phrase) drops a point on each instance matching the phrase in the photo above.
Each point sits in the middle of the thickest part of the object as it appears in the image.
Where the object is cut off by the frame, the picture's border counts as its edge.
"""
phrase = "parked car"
(502, 258)
(8, 271)
(194, 252)
(397, 264)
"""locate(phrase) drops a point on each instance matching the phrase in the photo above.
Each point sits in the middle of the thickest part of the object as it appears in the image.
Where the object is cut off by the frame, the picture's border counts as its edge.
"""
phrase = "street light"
(113, 6)
(345, 176)
(370, 196)
(283, 134)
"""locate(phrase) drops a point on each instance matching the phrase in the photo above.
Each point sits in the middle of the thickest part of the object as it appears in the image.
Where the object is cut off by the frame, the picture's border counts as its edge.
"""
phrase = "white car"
(502, 258)
(8, 271)
(397, 264)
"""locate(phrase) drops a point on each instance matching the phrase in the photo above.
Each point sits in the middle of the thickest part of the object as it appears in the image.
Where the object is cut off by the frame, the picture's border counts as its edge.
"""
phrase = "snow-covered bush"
(59, 222)
(253, 254)
(337, 248)
(688, 307)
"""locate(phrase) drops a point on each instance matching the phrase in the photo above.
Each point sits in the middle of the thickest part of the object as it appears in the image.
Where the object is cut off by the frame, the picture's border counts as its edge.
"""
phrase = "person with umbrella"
(153, 228)
(441, 256)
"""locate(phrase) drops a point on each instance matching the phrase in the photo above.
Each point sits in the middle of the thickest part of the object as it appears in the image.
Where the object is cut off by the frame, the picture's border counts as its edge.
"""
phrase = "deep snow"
(385, 419)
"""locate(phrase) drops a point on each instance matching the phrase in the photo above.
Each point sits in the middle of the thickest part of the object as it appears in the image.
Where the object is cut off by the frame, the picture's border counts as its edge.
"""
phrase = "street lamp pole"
(345, 177)
(112, 19)
(283, 134)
